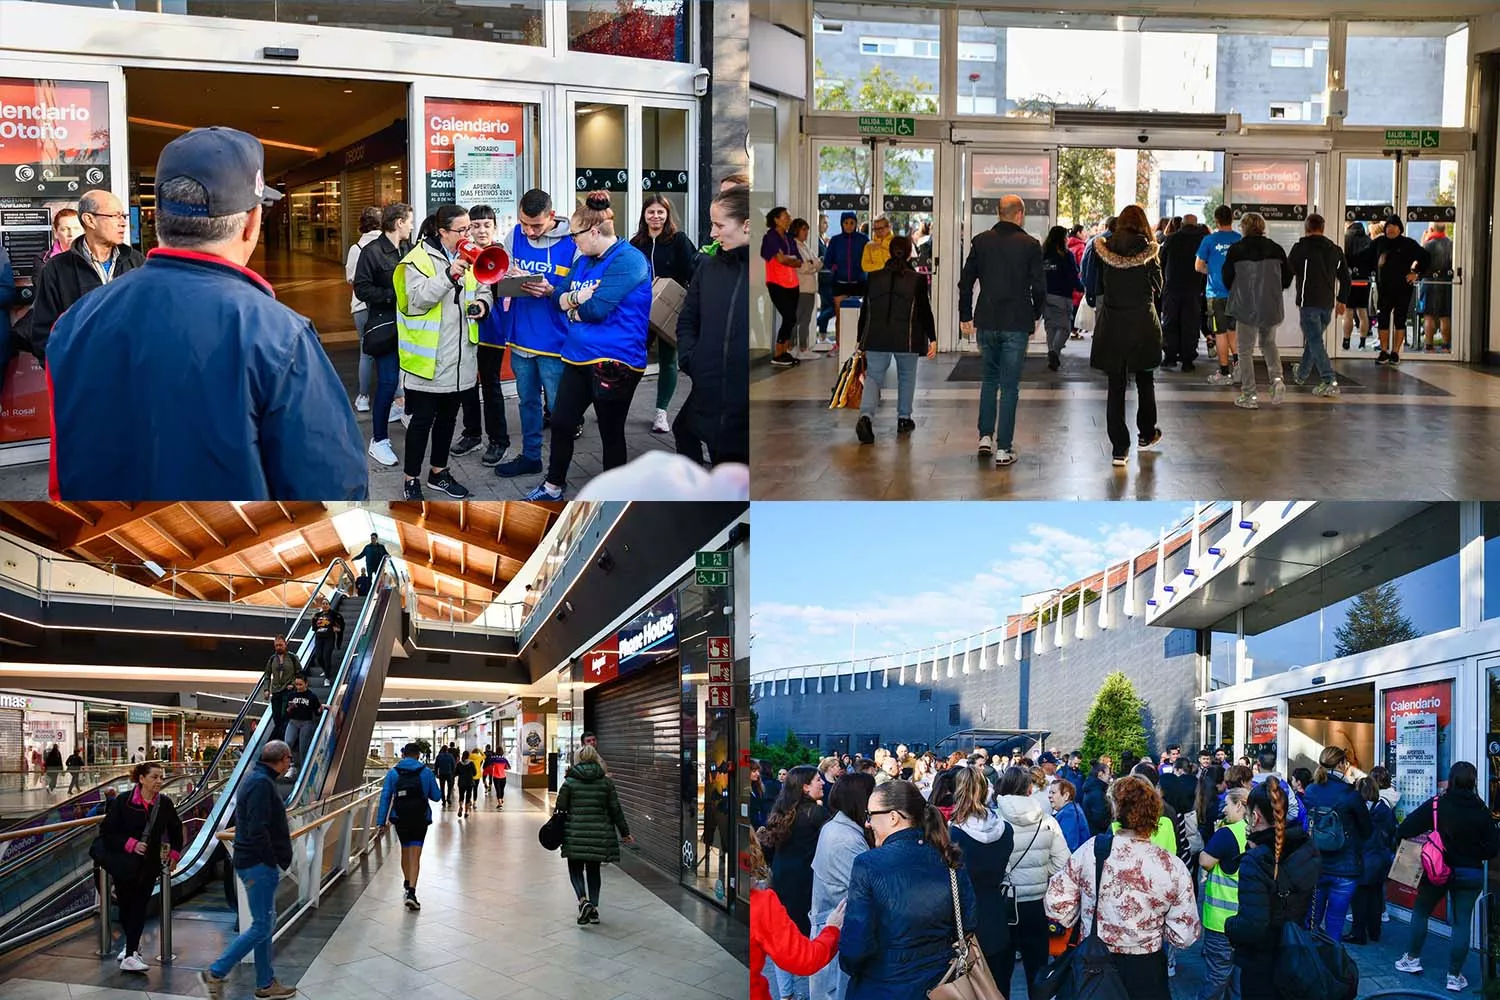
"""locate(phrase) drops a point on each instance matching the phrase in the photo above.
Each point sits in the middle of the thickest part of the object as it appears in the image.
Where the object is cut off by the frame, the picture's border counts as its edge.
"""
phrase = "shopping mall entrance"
(941, 192)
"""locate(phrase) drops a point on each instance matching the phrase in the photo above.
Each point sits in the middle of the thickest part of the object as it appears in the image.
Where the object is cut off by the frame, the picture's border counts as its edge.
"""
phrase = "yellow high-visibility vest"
(417, 336)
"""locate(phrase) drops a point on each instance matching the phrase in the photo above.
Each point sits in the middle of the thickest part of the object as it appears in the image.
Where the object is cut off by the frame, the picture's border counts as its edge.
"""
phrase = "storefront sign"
(1276, 189)
(14, 701)
(602, 663)
(1412, 138)
(1263, 726)
(54, 137)
(720, 696)
(649, 634)
(448, 124)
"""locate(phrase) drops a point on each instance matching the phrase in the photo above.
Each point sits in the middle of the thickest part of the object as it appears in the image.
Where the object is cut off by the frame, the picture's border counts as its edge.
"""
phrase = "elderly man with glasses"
(95, 259)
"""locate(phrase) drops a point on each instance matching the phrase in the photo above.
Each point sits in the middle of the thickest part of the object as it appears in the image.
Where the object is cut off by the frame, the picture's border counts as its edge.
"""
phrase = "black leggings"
(466, 793)
(785, 300)
(135, 905)
(322, 657)
(435, 414)
(499, 787)
(1029, 937)
(576, 872)
(575, 393)
(447, 783)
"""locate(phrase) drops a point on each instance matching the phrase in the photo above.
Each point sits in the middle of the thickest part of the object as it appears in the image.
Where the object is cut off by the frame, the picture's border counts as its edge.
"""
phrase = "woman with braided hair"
(1281, 860)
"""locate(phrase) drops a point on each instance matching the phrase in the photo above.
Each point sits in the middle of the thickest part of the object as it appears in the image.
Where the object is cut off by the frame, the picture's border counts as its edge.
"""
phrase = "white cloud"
(1046, 557)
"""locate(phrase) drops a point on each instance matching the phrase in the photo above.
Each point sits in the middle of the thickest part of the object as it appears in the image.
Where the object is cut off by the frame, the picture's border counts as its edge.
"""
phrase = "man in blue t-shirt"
(1220, 324)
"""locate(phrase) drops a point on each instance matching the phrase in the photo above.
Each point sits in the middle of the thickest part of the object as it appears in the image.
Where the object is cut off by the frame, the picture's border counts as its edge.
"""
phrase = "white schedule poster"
(484, 173)
(1416, 757)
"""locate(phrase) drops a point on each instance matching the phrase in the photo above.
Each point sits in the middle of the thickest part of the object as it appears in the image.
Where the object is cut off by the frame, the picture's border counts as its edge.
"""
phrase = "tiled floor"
(497, 921)
(1432, 426)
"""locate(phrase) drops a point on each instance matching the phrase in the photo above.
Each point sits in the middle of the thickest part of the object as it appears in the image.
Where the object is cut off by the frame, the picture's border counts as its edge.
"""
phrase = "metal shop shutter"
(12, 739)
(638, 722)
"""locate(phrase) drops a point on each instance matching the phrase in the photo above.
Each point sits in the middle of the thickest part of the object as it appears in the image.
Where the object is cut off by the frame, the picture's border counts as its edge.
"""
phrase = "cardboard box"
(667, 297)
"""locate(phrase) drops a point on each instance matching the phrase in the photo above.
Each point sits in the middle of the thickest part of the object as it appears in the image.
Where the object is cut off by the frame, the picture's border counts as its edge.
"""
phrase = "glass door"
(990, 174)
(1369, 196)
(1490, 774)
(845, 175)
(1280, 188)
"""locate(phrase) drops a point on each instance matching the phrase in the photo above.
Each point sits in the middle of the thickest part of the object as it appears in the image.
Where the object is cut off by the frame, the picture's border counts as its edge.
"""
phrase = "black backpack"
(1310, 965)
(1088, 971)
(409, 804)
(1325, 828)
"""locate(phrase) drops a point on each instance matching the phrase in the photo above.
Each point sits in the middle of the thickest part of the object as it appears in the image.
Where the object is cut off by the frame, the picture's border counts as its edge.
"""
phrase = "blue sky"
(898, 576)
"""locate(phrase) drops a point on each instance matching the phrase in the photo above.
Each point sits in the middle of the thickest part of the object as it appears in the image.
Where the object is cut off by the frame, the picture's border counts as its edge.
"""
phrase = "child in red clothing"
(774, 935)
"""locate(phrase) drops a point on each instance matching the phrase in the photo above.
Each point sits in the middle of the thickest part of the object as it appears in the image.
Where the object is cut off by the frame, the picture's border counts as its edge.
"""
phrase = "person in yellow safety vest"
(438, 308)
(878, 250)
(1220, 861)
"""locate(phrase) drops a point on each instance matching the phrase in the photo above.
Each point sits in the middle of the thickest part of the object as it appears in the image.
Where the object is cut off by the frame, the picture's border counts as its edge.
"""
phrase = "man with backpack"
(404, 795)
(1338, 824)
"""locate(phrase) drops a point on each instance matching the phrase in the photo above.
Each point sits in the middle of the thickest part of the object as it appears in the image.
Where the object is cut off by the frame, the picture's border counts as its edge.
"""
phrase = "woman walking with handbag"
(1469, 839)
(141, 834)
(899, 931)
(374, 285)
(1135, 912)
(592, 805)
(671, 255)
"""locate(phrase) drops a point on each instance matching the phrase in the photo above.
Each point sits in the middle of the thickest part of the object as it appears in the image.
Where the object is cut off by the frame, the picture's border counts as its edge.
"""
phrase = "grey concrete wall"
(1053, 689)
(1247, 83)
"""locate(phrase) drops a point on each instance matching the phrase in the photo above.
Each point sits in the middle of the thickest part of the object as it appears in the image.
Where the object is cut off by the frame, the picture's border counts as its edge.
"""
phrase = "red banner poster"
(447, 120)
(1418, 753)
(54, 137)
(1263, 726)
(602, 663)
(25, 413)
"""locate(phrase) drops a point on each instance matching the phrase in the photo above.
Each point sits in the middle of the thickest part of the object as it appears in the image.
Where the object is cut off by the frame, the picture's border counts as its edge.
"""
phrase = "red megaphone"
(490, 263)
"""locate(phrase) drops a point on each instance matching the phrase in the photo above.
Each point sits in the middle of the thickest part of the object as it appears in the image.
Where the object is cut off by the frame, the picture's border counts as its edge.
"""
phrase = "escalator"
(49, 884)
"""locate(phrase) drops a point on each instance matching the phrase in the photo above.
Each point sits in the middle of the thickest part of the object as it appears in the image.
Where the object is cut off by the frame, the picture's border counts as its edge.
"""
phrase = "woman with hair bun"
(142, 835)
(1281, 859)
(1145, 896)
(608, 301)
(899, 932)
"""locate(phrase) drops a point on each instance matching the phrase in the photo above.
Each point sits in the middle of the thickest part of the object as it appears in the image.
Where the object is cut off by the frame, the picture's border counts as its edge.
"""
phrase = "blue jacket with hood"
(613, 323)
(536, 325)
(388, 788)
(846, 253)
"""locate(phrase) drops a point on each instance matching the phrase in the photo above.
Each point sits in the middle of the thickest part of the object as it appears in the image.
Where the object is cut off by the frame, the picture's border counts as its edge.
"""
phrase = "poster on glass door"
(484, 173)
(1277, 189)
(1418, 741)
(992, 176)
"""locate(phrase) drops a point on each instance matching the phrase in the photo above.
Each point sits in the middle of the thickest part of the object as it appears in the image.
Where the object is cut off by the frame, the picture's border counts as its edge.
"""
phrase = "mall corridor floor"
(498, 920)
(1431, 426)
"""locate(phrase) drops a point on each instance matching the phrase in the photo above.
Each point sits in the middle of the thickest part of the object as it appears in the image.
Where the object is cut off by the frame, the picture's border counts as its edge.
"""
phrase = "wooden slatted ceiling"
(224, 551)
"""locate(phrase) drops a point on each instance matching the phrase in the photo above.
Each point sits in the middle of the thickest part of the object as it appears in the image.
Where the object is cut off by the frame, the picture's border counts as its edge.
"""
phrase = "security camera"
(700, 82)
(1143, 138)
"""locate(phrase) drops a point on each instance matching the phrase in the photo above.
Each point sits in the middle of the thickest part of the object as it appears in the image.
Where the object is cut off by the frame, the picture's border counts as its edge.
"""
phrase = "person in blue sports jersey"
(1211, 263)
(608, 303)
(540, 245)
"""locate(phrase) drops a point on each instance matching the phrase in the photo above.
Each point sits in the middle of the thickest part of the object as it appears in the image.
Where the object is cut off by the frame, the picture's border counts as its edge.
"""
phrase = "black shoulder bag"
(1087, 972)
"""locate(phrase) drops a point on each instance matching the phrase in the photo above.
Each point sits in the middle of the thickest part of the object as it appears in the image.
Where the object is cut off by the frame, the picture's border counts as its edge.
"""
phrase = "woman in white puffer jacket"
(1038, 852)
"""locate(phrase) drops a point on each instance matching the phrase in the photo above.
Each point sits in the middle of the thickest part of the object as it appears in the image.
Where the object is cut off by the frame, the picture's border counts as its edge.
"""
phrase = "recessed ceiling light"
(348, 91)
(275, 107)
(1330, 533)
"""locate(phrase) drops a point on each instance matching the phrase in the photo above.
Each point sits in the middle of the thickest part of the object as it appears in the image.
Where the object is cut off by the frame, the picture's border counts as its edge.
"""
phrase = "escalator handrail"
(265, 681)
(117, 772)
(357, 637)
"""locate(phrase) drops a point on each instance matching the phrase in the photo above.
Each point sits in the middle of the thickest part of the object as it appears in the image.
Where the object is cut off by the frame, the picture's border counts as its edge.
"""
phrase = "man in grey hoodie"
(1322, 277)
(1256, 274)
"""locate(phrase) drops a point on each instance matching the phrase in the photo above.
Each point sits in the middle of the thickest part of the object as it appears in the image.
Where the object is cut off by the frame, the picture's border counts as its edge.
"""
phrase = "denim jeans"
(784, 984)
(1220, 977)
(260, 891)
(1332, 898)
(387, 374)
(1462, 891)
(534, 372)
(299, 736)
(1004, 352)
(1314, 353)
(906, 381)
(829, 982)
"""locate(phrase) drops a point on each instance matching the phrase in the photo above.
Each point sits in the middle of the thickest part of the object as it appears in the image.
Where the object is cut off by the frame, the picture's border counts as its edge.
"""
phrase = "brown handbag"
(968, 977)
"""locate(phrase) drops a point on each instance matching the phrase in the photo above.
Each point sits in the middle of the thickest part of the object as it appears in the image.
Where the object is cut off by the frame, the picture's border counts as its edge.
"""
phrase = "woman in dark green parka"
(594, 814)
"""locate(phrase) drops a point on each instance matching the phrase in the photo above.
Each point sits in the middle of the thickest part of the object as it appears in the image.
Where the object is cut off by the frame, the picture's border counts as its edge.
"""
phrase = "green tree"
(1114, 724)
(1145, 165)
(1085, 177)
(1374, 620)
(877, 91)
(788, 753)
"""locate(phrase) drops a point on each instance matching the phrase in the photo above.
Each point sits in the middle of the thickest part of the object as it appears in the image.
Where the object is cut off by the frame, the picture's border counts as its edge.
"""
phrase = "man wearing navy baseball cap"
(185, 379)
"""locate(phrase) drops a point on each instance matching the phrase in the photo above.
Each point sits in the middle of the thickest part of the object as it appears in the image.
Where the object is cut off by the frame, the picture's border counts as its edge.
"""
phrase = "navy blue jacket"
(985, 864)
(229, 393)
(1342, 797)
(1062, 274)
(845, 257)
(898, 930)
(261, 836)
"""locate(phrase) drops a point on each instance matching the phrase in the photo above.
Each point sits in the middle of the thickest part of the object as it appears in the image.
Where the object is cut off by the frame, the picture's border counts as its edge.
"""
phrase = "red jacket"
(773, 934)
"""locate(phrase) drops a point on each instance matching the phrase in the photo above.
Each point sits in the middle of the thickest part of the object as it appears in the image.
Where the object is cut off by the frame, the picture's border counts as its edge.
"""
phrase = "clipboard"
(510, 288)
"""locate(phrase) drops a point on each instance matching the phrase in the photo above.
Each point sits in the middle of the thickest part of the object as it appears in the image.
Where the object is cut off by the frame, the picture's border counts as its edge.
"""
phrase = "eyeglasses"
(878, 812)
(449, 229)
(117, 216)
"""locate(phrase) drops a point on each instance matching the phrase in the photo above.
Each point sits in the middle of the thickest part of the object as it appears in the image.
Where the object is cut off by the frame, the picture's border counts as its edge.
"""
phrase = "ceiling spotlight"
(1330, 533)
(348, 91)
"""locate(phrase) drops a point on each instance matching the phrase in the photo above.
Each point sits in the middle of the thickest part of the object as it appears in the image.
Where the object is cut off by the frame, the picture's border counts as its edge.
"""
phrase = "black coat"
(897, 315)
(1469, 834)
(1256, 928)
(1096, 805)
(1179, 257)
(713, 349)
(125, 821)
(1007, 262)
(791, 864)
(985, 863)
(1127, 332)
(64, 280)
(375, 278)
(672, 256)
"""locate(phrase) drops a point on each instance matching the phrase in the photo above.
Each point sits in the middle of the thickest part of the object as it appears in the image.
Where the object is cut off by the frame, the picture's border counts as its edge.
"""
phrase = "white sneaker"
(661, 425)
(405, 419)
(362, 404)
(1458, 983)
(121, 956)
(1385, 918)
(1004, 457)
(133, 963)
(1278, 391)
(382, 452)
(398, 412)
(1408, 964)
(986, 444)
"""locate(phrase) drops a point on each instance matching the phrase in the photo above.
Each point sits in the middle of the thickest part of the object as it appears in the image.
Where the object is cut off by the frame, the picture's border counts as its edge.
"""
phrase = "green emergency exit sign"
(886, 125)
(714, 559)
(1412, 138)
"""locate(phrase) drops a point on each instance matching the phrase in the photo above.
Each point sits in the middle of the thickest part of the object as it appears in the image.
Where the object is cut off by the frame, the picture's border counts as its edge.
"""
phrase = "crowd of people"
(861, 864)
(1149, 295)
(271, 417)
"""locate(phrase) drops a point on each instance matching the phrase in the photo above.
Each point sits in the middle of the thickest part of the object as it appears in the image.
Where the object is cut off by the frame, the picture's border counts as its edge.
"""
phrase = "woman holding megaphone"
(607, 298)
(438, 307)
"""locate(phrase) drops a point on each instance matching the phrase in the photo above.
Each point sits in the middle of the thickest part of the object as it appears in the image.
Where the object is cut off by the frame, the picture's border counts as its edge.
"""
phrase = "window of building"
(1286, 111)
(853, 68)
(925, 694)
(1399, 586)
(1428, 89)
(906, 48)
(953, 714)
(1289, 58)
(645, 29)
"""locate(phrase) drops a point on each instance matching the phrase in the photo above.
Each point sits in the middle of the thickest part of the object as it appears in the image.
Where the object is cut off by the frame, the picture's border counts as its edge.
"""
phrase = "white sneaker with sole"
(986, 444)
(382, 452)
(134, 963)
(1247, 401)
(397, 411)
(362, 404)
(1408, 964)
(661, 425)
(1004, 457)
(1278, 391)
(1457, 984)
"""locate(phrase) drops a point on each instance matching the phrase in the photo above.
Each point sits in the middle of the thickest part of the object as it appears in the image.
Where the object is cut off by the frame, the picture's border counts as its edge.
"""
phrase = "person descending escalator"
(328, 625)
(282, 667)
(302, 708)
